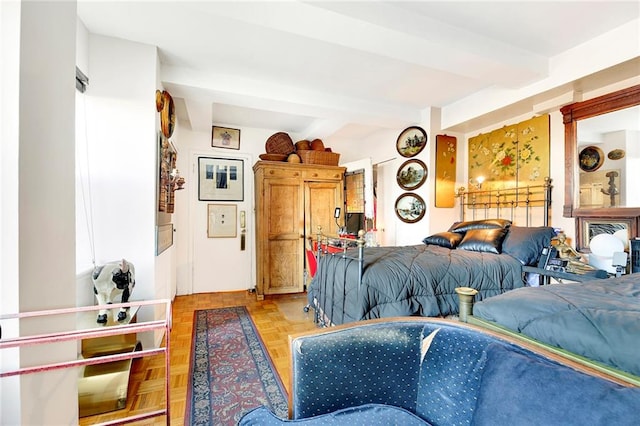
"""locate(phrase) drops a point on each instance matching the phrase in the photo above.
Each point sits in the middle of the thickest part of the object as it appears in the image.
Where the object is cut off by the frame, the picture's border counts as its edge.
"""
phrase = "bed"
(485, 254)
(597, 321)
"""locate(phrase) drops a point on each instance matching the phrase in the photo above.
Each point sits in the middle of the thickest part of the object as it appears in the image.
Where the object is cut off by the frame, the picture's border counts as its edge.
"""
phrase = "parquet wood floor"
(276, 318)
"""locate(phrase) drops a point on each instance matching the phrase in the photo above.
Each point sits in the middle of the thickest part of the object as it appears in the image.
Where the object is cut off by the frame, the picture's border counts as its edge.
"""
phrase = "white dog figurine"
(111, 280)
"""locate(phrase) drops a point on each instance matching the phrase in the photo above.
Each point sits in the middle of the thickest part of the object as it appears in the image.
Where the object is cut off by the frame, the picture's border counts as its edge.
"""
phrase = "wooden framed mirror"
(598, 204)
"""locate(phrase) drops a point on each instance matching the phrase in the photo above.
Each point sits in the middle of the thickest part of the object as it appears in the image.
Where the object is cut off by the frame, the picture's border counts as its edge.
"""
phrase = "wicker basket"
(323, 158)
(279, 143)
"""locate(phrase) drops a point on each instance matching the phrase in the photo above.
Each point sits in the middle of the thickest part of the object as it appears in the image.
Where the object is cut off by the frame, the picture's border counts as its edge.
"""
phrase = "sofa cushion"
(368, 414)
(526, 389)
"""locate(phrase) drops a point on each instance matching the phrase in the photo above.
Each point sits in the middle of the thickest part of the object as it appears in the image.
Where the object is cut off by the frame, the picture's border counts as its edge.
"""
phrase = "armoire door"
(283, 234)
(321, 199)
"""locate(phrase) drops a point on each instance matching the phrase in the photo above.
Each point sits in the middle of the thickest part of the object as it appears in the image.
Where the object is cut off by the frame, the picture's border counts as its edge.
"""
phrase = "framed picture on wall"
(410, 208)
(220, 179)
(412, 174)
(221, 220)
(411, 141)
(224, 137)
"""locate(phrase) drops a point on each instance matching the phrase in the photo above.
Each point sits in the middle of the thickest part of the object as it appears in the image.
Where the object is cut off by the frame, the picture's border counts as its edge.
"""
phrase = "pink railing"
(16, 342)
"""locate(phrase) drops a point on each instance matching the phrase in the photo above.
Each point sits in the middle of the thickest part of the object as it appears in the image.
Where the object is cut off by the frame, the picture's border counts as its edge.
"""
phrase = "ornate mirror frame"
(571, 114)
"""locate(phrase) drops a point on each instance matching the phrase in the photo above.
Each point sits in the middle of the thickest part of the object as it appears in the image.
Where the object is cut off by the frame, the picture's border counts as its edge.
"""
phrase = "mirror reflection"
(608, 153)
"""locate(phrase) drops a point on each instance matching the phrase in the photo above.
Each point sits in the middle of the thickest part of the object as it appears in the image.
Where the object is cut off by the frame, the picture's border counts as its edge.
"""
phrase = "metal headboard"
(505, 202)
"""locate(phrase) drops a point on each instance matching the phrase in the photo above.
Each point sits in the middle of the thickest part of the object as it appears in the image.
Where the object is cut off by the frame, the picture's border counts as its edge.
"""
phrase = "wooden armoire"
(292, 200)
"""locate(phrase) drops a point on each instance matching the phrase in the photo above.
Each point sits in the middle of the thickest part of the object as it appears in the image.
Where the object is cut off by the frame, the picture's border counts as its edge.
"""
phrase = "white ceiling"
(346, 69)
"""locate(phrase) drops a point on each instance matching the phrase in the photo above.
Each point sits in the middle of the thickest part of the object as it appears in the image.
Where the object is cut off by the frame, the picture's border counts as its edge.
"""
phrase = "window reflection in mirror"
(354, 201)
(359, 211)
(608, 150)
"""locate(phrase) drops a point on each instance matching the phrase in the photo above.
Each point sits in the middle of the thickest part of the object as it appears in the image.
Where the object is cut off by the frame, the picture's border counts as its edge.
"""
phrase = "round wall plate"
(410, 208)
(590, 159)
(167, 115)
(411, 141)
(412, 174)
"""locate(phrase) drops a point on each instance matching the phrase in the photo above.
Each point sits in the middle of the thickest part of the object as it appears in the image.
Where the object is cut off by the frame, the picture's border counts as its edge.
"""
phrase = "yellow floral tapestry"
(515, 155)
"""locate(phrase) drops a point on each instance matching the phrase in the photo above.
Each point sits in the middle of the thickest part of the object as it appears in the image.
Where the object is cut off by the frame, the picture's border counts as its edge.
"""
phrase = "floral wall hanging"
(446, 154)
(515, 155)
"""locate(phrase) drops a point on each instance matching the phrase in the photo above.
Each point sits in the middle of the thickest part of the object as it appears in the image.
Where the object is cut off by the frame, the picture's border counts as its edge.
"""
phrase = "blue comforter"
(415, 280)
(598, 319)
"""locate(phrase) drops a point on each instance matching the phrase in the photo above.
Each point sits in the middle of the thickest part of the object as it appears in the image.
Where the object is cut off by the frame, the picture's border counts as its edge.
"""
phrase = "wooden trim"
(571, 114)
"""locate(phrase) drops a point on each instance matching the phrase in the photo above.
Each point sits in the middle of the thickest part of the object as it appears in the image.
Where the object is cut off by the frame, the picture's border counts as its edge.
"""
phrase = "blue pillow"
(483, 240)
(444, 239)
(526, 243)
(462, 227)
(520, 388)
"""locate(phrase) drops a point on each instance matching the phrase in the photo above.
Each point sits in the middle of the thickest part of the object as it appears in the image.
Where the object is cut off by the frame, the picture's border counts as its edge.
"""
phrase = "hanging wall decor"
(445, 176)
(591, 158)
(412, 174)
(515, 155)
(411, 141)
(168, 156)
(164, 237)
(220, 179)
(224, 137)
(410, 208)
(166, 107)
(221, 221)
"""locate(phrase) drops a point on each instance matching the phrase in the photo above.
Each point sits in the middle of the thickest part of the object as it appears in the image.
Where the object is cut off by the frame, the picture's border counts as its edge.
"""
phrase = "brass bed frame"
(502, 203)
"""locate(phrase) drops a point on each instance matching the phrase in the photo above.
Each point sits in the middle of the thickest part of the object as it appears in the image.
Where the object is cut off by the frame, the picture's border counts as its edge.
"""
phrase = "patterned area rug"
(231, 372)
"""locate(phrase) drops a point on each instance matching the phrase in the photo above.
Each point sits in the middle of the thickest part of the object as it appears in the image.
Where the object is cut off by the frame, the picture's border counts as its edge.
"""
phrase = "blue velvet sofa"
(418, 371)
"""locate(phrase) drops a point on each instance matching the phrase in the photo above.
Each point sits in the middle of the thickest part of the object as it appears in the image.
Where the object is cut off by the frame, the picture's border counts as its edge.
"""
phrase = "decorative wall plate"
(412, 174)
(590, 159)
(616, 154)
(411, 141)
(167, 115)
(410, 208)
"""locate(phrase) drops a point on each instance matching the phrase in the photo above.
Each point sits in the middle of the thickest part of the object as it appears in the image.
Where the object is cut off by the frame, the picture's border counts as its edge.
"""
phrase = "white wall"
(117, 161)
(38, 244)
(9, 214)
(632, 163)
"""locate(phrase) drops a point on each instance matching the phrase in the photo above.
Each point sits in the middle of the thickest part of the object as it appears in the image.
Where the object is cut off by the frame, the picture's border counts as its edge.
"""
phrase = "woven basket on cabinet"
(323, 158)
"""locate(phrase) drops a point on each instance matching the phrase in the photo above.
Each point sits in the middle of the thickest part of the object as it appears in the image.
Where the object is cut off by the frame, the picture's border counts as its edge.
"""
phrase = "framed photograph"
(220, 179)
(410, 208)
(224, 137)
(164, 237)
(412, 174)
(221, 220)
(411, 141)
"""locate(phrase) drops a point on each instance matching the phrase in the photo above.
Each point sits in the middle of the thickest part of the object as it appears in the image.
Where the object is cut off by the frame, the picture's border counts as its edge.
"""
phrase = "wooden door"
(283, 234)
(321, 199)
